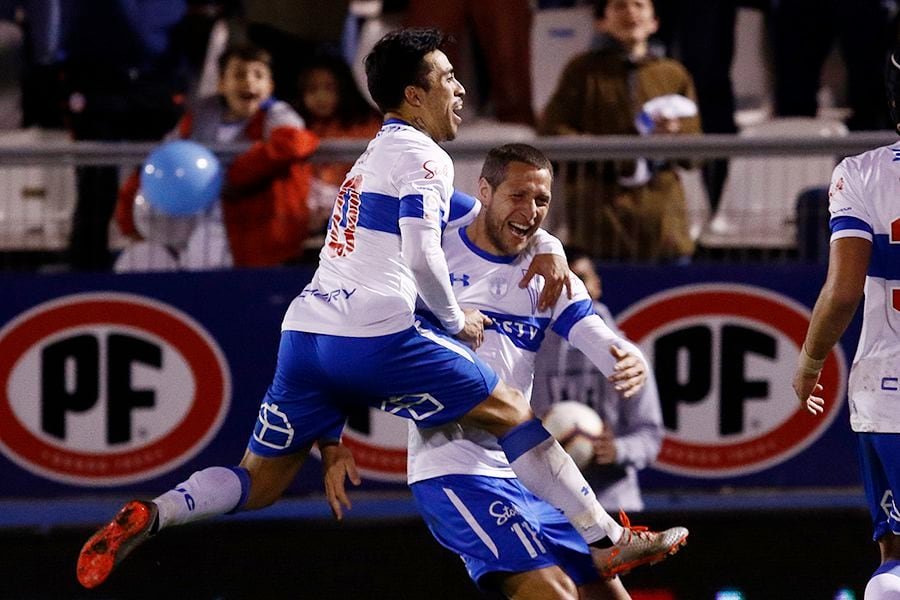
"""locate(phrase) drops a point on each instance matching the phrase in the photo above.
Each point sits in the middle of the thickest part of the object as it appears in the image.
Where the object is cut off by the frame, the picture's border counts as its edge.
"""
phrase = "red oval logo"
(724, 357)
(104, 389)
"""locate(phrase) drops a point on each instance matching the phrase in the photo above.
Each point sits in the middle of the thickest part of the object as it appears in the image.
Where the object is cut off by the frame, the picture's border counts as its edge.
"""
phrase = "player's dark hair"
(396, 61)
(892, 85)
(600, 7)
(494, 169)
(245, 52)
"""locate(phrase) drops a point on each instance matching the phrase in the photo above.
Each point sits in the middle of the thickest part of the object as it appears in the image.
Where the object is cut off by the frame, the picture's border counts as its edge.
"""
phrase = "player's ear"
(485, 191)
(413, 95)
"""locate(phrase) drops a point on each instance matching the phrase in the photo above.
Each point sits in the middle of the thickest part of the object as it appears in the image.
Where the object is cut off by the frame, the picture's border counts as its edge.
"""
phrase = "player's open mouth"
(519, 230)
(456, 108)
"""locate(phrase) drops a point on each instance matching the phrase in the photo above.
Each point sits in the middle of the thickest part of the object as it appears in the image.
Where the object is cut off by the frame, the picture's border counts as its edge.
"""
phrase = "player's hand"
(555, 271)
(629, 372)
(337, 466)
(605, 448)
(805, 386)
(472, 333)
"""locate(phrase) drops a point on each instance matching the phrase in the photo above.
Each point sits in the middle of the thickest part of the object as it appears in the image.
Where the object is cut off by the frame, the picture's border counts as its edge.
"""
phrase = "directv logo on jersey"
(464, 279)
(525, 333)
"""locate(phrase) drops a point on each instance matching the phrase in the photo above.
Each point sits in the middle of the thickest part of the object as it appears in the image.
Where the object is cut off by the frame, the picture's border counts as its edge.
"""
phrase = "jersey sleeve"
(849, 215)
(569, 311)
(545, 243)
(463, 209)
(423, 183)
(593, 338)
(424, 177)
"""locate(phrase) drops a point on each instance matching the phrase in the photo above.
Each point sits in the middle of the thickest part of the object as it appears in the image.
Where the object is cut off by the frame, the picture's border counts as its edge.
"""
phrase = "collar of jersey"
(396, 121)
(483, 253)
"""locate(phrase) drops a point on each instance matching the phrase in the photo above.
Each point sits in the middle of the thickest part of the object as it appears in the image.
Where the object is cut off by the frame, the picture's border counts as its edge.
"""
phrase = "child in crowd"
(263, 217)
(333, 107)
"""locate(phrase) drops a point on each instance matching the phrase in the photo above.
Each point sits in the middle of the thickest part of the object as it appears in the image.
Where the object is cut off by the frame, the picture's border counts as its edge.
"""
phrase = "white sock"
(549, 472)
(207, 493)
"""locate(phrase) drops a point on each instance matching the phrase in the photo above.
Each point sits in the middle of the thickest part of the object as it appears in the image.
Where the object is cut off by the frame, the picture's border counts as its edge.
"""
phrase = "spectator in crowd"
(803, 33)
(294, 31)
(501, 29)
(633, 431)
(701, 36)
(263, 207)
(123, 78)
(625, 209)
(332, 107)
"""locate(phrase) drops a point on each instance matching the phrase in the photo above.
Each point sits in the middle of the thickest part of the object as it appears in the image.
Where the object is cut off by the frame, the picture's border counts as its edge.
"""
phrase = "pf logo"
(724, 357)
(106, 389)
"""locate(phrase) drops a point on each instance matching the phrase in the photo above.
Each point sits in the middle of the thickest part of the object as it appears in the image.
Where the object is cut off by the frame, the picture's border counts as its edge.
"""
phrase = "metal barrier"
(760, 219)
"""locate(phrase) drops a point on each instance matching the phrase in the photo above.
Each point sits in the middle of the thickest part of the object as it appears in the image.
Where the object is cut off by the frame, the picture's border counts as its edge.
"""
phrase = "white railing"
(37, 178)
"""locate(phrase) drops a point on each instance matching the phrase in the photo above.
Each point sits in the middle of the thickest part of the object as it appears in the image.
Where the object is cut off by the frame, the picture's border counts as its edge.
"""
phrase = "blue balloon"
(181, 178)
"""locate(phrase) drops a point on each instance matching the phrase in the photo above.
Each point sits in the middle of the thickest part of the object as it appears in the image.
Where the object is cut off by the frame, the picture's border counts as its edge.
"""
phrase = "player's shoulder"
(871, 160)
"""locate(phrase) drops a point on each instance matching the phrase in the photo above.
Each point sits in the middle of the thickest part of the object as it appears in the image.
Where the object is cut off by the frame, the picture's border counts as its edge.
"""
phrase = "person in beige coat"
(631, 210)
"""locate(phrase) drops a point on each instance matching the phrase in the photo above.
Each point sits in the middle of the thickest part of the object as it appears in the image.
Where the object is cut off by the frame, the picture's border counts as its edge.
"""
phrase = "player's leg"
(604, 589)
(434, 380)
(548, 471)
(880, 472)
(489, 523)
(540, 462)
(293, 414)
(549, 582)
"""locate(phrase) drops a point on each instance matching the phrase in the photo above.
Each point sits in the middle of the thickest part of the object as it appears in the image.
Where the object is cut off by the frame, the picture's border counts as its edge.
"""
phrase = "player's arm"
(848, 261)
(421, 213)
(617, 358)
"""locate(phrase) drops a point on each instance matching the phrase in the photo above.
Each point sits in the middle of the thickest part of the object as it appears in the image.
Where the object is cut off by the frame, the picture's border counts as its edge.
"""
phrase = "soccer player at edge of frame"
(864, 259)
(510, 541)
(383, 246)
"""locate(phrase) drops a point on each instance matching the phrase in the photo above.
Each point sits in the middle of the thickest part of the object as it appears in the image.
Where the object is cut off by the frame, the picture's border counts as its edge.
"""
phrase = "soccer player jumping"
(351, 335)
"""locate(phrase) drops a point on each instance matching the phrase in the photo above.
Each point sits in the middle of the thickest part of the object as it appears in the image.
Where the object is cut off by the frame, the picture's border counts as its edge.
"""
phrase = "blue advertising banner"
(126, 384)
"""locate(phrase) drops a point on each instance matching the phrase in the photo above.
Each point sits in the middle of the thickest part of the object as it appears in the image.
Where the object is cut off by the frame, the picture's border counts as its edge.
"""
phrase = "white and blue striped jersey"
(363, 287)
(865, 202)
(490, 284)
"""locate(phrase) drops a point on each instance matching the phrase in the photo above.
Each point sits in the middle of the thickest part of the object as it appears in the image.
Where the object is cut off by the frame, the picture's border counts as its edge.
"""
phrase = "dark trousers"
(803, 33)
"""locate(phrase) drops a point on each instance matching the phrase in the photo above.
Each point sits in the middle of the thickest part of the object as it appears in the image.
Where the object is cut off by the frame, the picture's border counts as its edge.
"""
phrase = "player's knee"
(505, 408)
(544, 584)
(269, 477)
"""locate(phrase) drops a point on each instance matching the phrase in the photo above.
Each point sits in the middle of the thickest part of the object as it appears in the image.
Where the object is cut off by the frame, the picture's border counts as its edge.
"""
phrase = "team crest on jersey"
(896, 152)
(498, 286)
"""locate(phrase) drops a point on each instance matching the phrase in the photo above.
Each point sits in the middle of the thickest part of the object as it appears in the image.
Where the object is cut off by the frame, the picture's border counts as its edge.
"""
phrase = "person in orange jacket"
(262, 218)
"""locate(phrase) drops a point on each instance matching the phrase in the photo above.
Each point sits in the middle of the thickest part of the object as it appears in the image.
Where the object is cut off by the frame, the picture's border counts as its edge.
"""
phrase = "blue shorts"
(879, 463)
(416, 374)
(497, 525)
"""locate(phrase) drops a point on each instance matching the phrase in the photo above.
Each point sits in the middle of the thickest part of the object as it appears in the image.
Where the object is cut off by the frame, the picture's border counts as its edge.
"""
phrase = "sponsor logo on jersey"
(525, 332)
(435, 169)
(105, 389)
(724, 357)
